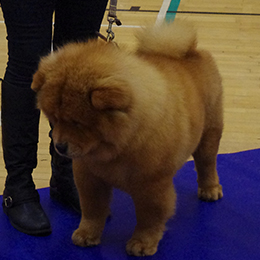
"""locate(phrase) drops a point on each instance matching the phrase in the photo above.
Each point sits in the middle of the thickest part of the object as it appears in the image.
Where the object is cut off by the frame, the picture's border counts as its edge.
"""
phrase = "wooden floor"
(229, 29)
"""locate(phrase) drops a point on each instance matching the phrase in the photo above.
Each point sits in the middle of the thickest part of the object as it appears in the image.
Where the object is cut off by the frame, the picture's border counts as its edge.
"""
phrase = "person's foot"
(27, 216)
(67, 195)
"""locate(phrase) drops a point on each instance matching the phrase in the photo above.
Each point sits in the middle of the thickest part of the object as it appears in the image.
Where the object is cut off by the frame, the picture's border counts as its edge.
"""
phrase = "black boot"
(20, 126)
(26, 213)
(62, 187)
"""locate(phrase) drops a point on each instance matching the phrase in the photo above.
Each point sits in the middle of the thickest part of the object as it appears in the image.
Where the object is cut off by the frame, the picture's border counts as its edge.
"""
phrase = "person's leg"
(29, 28)
(75, 20)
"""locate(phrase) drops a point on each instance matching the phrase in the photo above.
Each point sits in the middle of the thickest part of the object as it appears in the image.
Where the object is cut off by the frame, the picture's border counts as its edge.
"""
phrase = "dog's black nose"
(62, 148)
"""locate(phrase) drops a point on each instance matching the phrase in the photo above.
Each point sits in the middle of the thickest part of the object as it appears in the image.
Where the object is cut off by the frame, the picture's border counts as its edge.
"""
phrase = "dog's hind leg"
(205, 158)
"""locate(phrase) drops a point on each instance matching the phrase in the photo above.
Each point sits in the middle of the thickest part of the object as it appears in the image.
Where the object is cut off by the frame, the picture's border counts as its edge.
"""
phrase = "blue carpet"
(227, 229)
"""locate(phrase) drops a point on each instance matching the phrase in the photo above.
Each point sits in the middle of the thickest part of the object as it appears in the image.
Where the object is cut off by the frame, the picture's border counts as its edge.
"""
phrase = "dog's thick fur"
(130, 121)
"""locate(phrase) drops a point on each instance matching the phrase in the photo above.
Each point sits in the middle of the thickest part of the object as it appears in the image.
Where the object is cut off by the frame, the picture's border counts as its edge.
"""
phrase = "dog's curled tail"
(175, 39)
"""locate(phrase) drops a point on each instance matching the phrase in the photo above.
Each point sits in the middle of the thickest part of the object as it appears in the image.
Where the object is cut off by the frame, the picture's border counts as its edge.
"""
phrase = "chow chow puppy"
(130, 121)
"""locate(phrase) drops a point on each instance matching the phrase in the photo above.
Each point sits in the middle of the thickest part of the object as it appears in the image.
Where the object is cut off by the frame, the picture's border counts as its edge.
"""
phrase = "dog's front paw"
(83, 238)
(139, 248)
(211, 193)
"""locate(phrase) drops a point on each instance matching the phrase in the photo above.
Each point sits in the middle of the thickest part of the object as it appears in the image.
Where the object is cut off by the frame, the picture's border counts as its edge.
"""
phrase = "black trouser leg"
(29, 29)
(75, 20)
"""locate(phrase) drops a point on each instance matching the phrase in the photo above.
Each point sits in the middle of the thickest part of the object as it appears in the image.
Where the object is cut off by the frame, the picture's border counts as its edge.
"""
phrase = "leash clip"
(112, 18)
(110, 33)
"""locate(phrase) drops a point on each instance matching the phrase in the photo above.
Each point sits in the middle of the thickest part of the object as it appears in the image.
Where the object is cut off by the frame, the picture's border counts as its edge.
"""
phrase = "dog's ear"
(110, 98)
(46, 65)
(38, 81)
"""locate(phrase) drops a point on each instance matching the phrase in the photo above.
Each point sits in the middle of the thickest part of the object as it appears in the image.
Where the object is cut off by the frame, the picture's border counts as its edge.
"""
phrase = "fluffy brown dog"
(130, 121)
